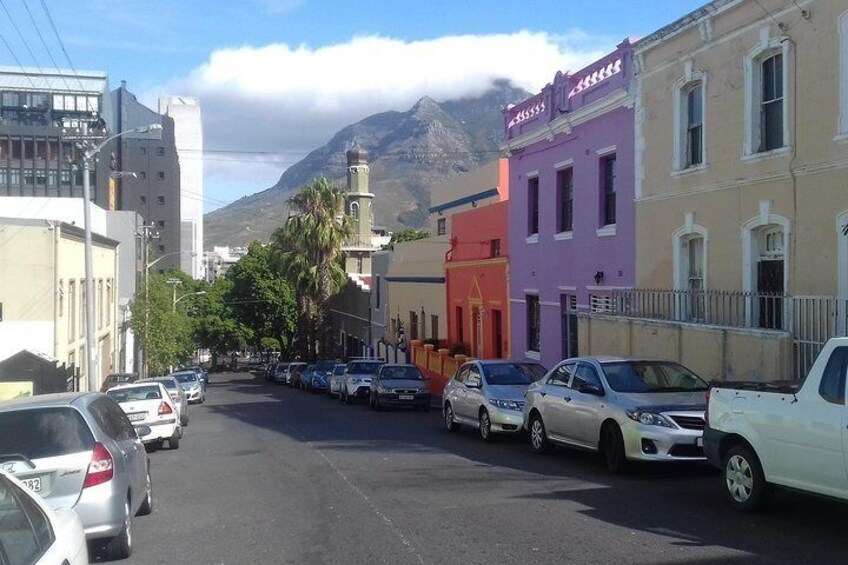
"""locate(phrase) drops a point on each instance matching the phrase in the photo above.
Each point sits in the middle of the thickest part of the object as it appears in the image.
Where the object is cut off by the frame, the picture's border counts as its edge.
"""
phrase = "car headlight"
(355, 381)
(507, 404)
(649, 418)
(383, 390)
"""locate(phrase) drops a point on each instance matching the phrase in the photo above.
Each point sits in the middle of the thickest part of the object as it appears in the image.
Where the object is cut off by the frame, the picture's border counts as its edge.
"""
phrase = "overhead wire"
(61, 43)
(18, 61)
(44, 43)
(23, 40)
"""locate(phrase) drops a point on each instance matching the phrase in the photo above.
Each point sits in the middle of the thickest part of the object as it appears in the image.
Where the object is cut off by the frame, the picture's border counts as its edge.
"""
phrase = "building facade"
(571, 217)
(47, 314)
(188, 137)
(476, 275)
(40, 110)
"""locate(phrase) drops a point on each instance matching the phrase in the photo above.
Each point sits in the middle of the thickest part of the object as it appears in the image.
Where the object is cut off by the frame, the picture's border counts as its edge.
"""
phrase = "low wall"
(715, 353)
(436, 364)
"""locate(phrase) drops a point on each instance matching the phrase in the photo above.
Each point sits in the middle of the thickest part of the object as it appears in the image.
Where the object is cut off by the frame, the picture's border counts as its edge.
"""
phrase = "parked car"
(280, 373)
(626, 409)
(357, 379)
(116, 379)
(293, 373)
(489, 395)
(399, 385)
(80, 451)
(149, 404)
(321, 375)
(33, 533)
(202, 375)
(175, 391)
(788, 434)
(305, 377)
(255, 363)
(191, 386)
(334, 385)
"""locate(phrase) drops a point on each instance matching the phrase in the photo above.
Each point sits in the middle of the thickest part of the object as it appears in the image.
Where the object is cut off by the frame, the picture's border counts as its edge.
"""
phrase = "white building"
(188, 133)
(219, 260)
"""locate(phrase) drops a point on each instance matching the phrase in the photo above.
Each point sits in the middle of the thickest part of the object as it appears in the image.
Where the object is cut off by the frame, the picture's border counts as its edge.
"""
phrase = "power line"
(61, 44)
(24, 41)
(44, 43)
(18, 61)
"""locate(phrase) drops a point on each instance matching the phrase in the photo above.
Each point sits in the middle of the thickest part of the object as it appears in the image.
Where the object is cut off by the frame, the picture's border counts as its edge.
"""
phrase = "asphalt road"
(268, 474)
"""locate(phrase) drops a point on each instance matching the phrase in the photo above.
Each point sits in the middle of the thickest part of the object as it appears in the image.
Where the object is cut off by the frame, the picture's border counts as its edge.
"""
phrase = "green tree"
(216, 327)
(407, 235)
(308, 252)
(261, 299)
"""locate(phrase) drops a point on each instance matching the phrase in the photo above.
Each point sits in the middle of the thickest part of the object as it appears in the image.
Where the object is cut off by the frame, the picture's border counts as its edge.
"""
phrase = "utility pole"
(175, 283)
(148, 233)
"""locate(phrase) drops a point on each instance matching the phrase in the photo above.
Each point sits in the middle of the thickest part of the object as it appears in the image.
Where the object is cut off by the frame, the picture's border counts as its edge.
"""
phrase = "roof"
(681, 23)
(137, 384)
(43, 400)
(53, 80)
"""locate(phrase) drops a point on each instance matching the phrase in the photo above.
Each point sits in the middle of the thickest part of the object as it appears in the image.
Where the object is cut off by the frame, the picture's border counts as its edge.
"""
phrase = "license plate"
(699, 442)
(33, 484)
(137, 416)
(406, 397)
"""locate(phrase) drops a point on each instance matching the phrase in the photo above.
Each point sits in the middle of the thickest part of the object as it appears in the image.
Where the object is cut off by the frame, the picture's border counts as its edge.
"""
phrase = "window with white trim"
(534, 323)
(766, 112)
(771, 103)
(693, 148)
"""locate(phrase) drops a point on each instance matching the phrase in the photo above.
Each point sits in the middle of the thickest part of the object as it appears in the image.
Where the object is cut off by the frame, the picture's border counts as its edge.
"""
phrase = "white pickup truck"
(787, 434)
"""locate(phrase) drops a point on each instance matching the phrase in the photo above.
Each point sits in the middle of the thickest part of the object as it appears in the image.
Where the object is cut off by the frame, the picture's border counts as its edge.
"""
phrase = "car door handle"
(566, 398)
(543, 394)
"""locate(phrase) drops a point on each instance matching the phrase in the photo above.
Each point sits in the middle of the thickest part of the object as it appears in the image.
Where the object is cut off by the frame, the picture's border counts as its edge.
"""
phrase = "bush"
(459, 349)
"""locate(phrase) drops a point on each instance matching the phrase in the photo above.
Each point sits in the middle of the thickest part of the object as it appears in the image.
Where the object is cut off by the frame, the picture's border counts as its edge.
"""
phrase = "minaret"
(358, 196)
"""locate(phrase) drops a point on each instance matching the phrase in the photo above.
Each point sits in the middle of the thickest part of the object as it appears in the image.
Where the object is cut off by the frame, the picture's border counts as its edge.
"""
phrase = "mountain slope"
(409, 151)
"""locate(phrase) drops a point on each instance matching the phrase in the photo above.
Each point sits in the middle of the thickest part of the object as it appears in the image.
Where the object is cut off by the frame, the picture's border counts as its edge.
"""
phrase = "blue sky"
(277, 77)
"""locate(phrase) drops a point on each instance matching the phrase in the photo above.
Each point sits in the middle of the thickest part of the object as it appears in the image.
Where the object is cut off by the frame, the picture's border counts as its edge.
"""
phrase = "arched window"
(354, 210)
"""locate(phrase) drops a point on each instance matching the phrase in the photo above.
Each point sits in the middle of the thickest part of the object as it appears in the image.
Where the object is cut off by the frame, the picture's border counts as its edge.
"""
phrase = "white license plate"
(406, 397)
(33, 484)
(699, 442)
(137, 416)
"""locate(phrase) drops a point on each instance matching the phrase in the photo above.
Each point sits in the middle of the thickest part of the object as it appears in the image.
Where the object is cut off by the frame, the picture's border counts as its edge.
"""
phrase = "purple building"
(571, 213)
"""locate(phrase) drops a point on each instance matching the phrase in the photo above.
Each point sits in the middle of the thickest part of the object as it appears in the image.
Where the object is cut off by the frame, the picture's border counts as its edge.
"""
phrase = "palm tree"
(309, 250)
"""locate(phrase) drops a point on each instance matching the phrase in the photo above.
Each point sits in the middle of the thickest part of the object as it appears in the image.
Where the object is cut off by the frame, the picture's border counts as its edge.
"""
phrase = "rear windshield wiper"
(17, 457)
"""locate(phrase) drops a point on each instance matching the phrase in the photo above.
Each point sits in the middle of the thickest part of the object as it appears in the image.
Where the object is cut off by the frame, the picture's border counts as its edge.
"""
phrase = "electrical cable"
(23, 40)
(18, 61)
(61, 43)
(44, 43)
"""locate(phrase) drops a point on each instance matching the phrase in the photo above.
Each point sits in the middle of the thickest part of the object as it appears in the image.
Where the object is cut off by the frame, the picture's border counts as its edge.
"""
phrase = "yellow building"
(42, 291)
(741, 188)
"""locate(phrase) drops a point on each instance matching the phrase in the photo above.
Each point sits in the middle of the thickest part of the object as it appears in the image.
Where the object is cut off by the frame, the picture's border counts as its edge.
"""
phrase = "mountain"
(409, 151)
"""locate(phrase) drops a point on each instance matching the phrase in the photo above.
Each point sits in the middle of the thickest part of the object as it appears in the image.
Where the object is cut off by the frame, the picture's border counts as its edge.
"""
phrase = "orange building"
(477, 281)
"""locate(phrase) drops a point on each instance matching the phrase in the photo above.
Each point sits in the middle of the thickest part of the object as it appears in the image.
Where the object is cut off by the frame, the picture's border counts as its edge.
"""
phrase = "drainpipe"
(56, 289)
(448, 255)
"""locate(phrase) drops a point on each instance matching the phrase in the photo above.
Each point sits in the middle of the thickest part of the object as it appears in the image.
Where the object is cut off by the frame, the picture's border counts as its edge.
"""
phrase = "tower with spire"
(359, 247)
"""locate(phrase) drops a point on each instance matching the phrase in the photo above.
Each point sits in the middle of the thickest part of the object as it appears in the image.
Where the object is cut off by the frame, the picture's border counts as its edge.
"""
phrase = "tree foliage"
(407, 235)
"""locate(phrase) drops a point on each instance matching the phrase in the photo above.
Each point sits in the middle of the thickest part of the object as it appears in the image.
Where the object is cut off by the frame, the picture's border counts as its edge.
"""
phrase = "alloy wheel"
(485, 426)
(739, 478)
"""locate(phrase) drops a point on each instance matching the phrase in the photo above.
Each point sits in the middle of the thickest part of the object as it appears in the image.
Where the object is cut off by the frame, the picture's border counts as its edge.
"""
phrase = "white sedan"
(149, 404)
(33, 534)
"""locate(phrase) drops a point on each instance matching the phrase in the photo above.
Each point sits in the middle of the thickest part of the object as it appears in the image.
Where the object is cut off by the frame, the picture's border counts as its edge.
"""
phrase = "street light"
(88, 156)
(184, 296)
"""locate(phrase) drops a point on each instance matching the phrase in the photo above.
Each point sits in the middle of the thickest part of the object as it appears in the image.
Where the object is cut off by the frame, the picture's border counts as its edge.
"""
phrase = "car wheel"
(450, 423)
(744, 481)
(121, 546)
(613, 449)
(485, 426)
(174, 441)
(377, 404)
(539, 442)
(147, 505)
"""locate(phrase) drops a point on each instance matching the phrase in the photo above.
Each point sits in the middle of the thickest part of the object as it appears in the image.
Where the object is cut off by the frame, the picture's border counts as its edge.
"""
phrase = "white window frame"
(842, 125)
(752, 63)
(751, 231)
(685, 84)
(680, 259)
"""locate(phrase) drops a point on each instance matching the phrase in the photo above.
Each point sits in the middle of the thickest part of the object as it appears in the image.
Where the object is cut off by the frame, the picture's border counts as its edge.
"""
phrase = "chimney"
(124, 84)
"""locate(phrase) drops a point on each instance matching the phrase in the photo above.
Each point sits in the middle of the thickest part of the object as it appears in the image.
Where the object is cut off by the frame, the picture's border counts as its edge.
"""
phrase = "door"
(472, 397)
(581, 418)
(770, 288)
(568, 331)
(555, 402)
(497, 333)
(456, 390)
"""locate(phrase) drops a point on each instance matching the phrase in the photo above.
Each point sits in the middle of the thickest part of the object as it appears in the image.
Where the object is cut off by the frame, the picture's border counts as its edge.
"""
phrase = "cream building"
(741, 188)
(43, 293)
(416, 276)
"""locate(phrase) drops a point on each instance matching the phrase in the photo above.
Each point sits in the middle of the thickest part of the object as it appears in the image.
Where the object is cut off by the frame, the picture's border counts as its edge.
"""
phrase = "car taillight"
(165, 408)
(707, 409)
(101, 469)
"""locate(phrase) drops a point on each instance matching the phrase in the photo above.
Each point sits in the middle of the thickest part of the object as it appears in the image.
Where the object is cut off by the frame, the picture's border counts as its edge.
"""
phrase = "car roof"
(395, 365)
(135, 385)
(602, 359)
(190, 373)
(47, 400)
(505, 362)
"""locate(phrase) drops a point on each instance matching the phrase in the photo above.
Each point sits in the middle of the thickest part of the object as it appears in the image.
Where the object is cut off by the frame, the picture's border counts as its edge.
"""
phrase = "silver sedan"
(627, 409)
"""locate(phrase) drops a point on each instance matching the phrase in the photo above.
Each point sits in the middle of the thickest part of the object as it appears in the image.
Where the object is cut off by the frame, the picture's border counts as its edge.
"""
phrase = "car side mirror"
(591, 388)
(472, 383)
(143, 431)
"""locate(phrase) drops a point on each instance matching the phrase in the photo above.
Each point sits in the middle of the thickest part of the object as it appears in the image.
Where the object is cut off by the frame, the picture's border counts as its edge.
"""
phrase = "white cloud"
(289, 100)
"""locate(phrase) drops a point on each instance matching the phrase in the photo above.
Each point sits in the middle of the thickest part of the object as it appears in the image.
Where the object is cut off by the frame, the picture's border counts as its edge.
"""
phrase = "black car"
(399, 385)
(116, 379)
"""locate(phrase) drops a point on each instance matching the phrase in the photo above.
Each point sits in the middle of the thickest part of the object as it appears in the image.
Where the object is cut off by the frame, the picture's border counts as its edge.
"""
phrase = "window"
(694, 249)
(142, 150)
(695, 125)
(354, 210)
(608, 189)
(99, 304)
(142, 175)
(109, 301)
(160, 200)
(434, 327)
(81, 328)
(771, 103)
(832, 387)
(160, 151)
(585, 374)
(562, 375)
(160, 248)
(413, 325)
(565, 221)
(377, 292)
(161, 223)
(533, 206)
(26, 534)
(72, 310)
(534, 323)
(495, 248)
(160, 175)
(441, 226)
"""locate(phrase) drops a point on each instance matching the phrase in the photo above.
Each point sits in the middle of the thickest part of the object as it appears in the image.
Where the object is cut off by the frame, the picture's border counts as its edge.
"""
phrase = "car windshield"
(121, 395)
(339, 369)
(186, 377)
(325, 365)
(170, 384)
(652, 376)
(401, 374)
(363, 368)
(44, 432)
(512, 373)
